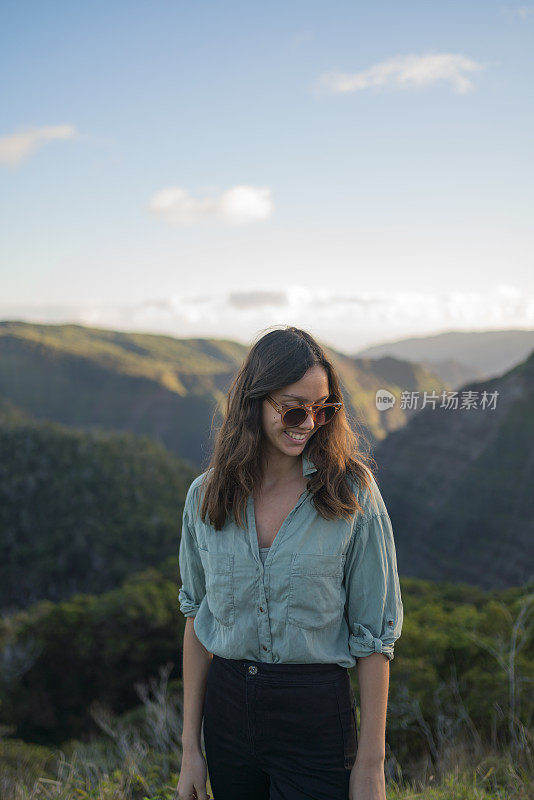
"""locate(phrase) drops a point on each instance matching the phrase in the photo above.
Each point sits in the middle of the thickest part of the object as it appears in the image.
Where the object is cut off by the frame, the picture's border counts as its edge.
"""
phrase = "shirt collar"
(307, 465)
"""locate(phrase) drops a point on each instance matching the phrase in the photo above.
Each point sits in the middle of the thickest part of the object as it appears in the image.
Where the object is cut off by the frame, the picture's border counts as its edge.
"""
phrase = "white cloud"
(404, 72)
(257, 299)
(20, 145)
(349, 322)
(236, 206)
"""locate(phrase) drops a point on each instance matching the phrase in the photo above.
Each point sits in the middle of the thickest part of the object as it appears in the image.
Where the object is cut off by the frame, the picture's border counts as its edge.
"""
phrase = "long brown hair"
(278, 358)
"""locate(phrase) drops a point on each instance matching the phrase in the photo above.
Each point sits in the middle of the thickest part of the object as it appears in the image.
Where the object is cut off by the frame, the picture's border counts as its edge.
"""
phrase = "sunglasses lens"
(324, 415)
(294, 417)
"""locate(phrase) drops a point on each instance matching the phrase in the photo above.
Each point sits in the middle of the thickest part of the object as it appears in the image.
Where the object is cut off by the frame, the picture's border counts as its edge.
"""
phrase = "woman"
(289, 578)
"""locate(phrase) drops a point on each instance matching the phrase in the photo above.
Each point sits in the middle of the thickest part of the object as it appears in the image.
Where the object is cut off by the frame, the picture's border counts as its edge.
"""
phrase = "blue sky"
(211, 168)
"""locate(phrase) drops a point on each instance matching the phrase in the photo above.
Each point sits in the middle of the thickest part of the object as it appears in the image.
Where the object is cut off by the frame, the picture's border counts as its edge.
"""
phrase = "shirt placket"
(264, 628)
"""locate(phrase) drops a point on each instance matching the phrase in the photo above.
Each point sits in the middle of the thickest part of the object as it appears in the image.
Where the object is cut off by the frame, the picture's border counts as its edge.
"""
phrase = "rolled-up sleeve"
(373, 598)
(193, 588)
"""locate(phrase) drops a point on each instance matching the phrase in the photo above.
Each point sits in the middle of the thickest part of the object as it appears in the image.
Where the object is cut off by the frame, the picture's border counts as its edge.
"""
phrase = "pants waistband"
(243, 665)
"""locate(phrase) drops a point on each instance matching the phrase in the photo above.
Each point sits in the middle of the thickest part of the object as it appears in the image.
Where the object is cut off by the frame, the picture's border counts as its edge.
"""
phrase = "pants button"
(252, 670)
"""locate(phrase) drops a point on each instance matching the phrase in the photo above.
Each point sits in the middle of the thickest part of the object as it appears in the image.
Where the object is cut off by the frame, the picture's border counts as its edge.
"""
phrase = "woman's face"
(311, 388)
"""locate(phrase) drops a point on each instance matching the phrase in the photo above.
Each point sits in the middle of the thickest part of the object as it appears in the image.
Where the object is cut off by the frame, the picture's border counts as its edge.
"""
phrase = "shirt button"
(252, 670)
(261, 608)
(265, 648)
(390, 622)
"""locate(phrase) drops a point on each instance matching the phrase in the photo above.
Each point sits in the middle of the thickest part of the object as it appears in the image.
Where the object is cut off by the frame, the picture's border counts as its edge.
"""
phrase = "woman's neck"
(279, 468)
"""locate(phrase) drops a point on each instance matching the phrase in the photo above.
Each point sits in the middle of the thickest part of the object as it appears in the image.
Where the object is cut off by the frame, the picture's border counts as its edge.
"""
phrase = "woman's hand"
(193, 776)
(367, 781)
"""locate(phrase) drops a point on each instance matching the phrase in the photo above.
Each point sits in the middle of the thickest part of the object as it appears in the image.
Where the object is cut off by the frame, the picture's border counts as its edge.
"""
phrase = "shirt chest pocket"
(219, 577)
(315, 590)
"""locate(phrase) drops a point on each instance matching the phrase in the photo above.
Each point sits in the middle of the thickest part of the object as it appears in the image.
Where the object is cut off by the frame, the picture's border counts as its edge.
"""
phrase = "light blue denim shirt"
(328, 592)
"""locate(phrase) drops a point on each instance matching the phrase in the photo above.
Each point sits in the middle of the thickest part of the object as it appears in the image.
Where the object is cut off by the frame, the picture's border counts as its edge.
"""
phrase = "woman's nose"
(308, 423)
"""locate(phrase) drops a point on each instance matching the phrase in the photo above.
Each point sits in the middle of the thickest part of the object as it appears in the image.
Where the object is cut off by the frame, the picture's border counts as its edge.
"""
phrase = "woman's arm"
(375, 616)
(196, 659)
(196, 662)
(367, 778)
(373, 680)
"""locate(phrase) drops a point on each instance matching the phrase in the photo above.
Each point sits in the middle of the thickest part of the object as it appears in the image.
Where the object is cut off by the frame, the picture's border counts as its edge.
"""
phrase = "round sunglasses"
(293, 416)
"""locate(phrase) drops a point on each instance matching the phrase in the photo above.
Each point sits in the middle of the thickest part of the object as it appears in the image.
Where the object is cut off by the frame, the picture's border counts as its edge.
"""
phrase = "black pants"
(279, 731)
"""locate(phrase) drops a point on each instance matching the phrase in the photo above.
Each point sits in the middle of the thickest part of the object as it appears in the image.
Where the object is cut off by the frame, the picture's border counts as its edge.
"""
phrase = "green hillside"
(363, 377)
(458, 486)
(79, 511)
(86, 377)
(163, 387)
(10, 413)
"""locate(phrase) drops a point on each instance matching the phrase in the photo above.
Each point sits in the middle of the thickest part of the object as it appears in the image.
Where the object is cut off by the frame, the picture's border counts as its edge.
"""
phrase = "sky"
(363, 170)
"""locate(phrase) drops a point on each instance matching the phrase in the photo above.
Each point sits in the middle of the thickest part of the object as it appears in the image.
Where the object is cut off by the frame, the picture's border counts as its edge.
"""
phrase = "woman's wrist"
(191, 746)
(370, 758)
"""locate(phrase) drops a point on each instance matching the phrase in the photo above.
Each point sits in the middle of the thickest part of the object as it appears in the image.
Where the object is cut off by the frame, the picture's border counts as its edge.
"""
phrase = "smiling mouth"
(296, 437)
